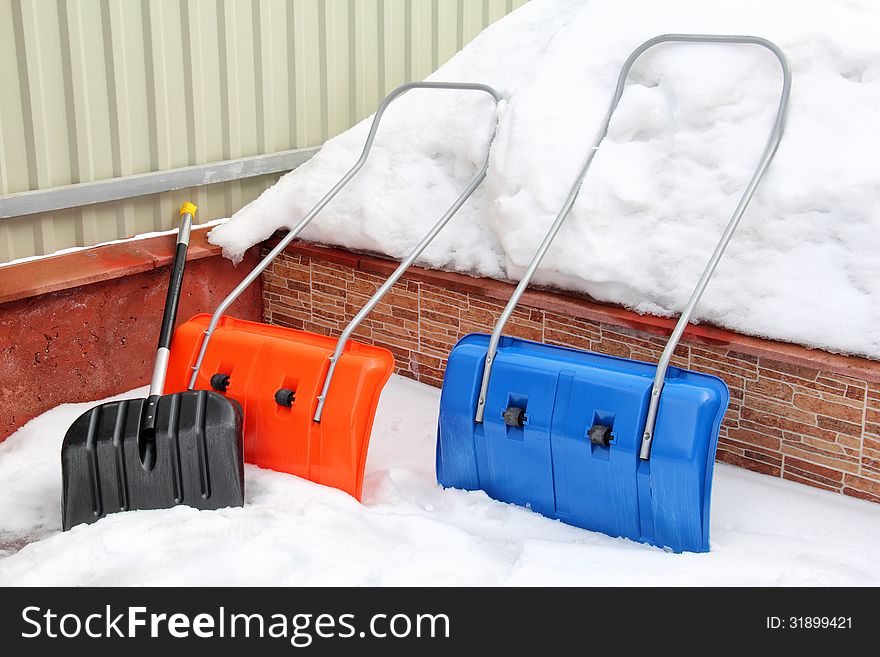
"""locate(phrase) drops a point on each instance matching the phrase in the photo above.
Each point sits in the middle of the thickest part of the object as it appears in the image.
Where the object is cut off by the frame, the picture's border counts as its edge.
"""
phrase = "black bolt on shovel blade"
(195, 457)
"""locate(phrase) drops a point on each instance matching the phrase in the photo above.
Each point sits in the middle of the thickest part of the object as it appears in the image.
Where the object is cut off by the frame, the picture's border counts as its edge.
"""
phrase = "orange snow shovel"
(294, 420)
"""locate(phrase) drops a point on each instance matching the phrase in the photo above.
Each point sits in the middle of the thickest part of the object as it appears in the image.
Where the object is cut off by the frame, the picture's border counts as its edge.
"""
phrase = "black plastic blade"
(195, 457)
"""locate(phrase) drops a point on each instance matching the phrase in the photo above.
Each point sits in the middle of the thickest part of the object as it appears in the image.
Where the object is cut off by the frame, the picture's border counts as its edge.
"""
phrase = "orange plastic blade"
(261, 359)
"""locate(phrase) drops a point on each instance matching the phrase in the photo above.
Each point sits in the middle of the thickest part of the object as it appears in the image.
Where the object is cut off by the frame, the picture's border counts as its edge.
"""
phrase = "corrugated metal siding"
(94, 89)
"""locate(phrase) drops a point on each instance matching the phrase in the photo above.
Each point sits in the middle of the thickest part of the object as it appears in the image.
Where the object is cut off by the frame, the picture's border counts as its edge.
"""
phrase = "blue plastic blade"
(549, 463)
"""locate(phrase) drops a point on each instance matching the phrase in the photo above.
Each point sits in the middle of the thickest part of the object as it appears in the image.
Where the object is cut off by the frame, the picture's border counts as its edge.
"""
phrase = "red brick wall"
(806, 416)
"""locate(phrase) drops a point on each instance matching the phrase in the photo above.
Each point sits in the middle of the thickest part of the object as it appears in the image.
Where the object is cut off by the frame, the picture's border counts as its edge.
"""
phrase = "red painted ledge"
(93, 265)
(583, 307)
(90, 318)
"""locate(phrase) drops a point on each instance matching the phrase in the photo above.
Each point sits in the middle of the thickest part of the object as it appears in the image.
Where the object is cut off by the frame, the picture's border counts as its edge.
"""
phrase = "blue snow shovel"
(609, 444)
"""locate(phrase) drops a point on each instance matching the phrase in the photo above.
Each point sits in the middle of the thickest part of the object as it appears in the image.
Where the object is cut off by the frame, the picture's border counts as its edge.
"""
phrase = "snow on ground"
(804, 265)
(409, 531)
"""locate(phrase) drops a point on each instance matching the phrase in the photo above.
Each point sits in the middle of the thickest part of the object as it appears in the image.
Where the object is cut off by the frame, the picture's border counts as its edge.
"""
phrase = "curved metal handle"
(311, 214)
(766, 157)
(407, 262)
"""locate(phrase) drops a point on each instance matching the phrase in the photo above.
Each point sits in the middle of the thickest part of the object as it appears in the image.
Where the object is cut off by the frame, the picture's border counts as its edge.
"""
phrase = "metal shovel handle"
(147, 431)
(172, 299)
(409, 260)
(766, 157)
(320, 205)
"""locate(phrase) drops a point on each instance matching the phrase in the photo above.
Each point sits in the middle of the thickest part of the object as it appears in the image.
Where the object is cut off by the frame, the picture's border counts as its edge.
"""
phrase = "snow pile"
(409, 531)
(803, 266)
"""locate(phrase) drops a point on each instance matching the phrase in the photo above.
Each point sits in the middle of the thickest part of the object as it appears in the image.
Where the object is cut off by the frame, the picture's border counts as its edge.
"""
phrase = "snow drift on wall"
(804, 265)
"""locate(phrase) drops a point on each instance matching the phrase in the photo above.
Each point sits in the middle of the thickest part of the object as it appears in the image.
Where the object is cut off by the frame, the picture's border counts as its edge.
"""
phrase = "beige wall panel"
(95, 89)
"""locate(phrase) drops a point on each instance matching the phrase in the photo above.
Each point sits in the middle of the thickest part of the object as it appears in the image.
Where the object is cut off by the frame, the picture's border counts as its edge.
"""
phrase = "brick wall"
(806, 416)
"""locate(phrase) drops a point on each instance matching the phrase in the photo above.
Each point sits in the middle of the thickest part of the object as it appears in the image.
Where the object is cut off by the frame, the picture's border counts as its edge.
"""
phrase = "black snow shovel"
(158, 452)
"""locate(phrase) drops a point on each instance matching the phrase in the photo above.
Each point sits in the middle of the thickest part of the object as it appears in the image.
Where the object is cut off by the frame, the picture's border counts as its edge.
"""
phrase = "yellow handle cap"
(188, 208)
